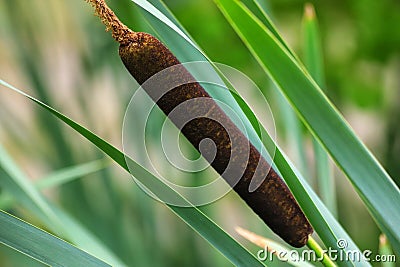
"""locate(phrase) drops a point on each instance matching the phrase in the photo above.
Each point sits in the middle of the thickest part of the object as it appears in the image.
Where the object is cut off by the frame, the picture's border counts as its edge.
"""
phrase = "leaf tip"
(252, 237)
(383, 240)
(309, 11)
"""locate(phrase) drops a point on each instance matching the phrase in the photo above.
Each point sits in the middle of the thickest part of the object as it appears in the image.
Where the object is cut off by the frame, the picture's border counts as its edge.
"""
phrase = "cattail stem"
(326, 261)
(119, 31)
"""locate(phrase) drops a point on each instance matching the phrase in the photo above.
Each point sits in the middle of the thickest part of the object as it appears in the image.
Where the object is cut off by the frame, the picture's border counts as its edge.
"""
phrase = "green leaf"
(313, 59)
(17, 184)
(373, 184)
(294, 134)
(196, 219)
(17, 176)
(326, 226)
(66, 175)
(41, 245)
(313, 56)
(386, 250)
(291, 123)
(255, 7)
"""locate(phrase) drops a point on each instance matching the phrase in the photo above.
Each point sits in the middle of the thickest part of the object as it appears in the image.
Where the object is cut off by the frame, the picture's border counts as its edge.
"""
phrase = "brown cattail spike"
(144, 56)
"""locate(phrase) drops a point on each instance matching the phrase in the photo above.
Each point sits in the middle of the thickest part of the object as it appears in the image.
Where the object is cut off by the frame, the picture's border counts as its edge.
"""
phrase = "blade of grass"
(17, 176)
(313, 57)
(291, 123)
(385, 249)
(321, 254)
(294, 135)
(373, 184)
(66, 175)
(69, 229)
(41, 245)
(313, 60)
(196, 219)
(256, 8)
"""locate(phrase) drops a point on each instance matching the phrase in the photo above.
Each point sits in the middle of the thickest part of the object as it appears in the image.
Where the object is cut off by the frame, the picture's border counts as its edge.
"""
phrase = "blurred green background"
(59, 52)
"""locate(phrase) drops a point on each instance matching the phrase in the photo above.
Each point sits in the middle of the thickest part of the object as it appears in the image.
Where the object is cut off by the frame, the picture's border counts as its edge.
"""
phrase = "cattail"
(144, 56)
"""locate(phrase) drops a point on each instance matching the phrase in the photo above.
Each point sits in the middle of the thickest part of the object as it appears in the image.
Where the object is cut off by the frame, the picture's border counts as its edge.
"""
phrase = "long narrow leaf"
(41, 245)
(291, 123)
(313, 60)
(69, 174)
(51, 216)
(371, 181)
(18, 177)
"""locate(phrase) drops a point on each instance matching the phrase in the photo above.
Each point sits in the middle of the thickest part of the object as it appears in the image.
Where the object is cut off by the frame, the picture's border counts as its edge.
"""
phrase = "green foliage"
(67, 60)
(42, 246)
(374, 185)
